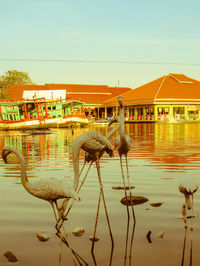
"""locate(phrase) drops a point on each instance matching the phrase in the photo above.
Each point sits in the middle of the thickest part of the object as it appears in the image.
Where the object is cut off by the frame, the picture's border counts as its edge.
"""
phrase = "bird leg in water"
(184, 213)
(133, 212)
(95, 228)
(104, 202)
(191, 231)
(128, 215)
(65, 233)
(60, 252)
(65, 216)
(61, 235)
(65, 202)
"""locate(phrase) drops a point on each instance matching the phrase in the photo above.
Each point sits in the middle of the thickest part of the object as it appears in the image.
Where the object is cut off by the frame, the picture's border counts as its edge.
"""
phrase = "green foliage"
(4, 95)
(13, 77)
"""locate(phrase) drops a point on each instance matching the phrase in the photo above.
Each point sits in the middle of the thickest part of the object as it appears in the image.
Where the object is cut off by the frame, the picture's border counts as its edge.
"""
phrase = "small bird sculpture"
(188, 187)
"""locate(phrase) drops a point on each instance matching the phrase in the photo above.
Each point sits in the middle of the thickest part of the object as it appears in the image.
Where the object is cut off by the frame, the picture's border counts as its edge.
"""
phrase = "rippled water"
(160, 157)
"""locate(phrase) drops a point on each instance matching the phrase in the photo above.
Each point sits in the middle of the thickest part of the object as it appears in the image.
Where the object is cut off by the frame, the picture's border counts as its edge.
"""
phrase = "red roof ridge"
(162, 81)
(184, 78)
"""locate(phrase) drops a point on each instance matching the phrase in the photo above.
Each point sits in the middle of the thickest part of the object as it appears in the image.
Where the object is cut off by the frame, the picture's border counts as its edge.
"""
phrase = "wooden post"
(71, 107)
(25, 112)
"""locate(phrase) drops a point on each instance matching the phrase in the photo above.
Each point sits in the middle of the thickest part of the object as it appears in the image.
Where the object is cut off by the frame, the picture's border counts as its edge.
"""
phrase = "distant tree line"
(10, 78)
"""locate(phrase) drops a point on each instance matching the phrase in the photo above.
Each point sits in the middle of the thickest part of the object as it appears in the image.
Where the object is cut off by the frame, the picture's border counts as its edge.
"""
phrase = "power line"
(97, 61)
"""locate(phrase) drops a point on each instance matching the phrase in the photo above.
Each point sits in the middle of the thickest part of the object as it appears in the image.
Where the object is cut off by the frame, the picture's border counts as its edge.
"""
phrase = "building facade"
(171, 98)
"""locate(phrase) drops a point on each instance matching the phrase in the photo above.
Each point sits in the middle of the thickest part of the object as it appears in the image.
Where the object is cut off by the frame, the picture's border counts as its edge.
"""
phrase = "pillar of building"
(105, 113)
(136, 113)
(171, 111)
(144, 113)
(127, 113)
(185, 112)
(155, 112)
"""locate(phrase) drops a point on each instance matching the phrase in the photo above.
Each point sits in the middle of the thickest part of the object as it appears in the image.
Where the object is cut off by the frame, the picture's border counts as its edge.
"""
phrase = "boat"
(39, 113)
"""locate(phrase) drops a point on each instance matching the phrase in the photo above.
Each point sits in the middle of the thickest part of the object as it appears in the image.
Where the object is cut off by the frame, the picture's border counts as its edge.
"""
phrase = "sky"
(126, 43)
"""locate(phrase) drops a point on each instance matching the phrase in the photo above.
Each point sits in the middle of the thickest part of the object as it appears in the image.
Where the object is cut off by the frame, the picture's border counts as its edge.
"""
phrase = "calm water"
(160, 157)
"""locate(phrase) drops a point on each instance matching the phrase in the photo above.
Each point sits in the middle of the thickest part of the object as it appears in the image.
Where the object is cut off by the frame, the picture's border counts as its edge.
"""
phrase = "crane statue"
(123, 144)
(49, 189)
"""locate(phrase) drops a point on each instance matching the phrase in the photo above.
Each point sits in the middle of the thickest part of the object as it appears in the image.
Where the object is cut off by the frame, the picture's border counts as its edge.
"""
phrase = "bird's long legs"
(65, 233)
(60, 234)
(191, 230)
(95, 228)
(105, 208)
(128, 215)
(104, 202)
(65, 216)
(133, 212)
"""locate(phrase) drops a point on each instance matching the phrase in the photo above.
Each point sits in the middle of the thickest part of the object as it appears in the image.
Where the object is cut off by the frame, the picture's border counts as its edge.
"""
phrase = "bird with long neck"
(123, 144)
(49, 189)
(95, 145)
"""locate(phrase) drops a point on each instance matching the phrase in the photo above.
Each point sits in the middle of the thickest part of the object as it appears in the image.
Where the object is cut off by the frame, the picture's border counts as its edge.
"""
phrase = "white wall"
(48, 94)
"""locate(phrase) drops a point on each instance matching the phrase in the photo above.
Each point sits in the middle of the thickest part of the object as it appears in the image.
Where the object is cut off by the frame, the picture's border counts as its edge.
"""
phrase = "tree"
(13, 77)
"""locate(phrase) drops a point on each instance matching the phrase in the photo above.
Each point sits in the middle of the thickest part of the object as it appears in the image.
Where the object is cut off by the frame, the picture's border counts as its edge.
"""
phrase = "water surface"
(160, 157)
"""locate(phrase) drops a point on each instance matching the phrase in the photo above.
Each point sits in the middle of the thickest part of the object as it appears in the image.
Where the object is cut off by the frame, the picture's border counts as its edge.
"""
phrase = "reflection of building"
(169, 146)
(173, 97)
(91, 95)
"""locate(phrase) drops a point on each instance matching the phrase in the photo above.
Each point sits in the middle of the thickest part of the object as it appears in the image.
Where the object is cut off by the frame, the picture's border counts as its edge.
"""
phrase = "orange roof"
(167, 89)
(89, 94)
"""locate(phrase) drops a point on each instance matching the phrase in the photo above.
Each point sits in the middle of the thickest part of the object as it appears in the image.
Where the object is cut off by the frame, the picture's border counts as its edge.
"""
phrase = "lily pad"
(122, 187)
(133, 200)
(156, 204)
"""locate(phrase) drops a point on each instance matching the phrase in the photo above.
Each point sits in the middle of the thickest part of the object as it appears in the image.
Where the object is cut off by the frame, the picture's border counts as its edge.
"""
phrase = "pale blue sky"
(148, 31)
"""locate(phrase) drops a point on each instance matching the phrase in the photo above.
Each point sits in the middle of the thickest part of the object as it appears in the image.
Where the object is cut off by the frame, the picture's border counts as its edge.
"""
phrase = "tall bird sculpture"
(49, 189)
(123, 144)
(95, 145)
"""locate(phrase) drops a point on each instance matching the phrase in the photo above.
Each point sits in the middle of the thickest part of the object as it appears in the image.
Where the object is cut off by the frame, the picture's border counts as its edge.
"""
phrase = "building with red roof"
(171, 97)
(91, 95)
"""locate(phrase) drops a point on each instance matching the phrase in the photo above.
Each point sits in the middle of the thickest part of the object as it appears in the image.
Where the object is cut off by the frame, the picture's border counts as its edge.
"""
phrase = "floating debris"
(122, 187)
(160, 234)
(156, 204)
(133, 200)
(94, 239)
(42, 237)
(10, 256)
(78, 231)
(148, 236)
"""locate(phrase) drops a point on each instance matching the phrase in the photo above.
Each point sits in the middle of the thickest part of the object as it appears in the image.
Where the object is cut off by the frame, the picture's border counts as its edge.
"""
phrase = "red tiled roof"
(89, 94)
(169, 88)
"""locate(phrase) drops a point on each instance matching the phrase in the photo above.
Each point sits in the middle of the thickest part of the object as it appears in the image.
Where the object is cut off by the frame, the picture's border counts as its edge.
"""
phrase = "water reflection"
(171, 147)
(161, 154)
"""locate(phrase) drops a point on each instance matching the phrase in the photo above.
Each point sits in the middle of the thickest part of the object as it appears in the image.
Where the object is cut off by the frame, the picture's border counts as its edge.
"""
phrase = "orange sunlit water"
(160, 156)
